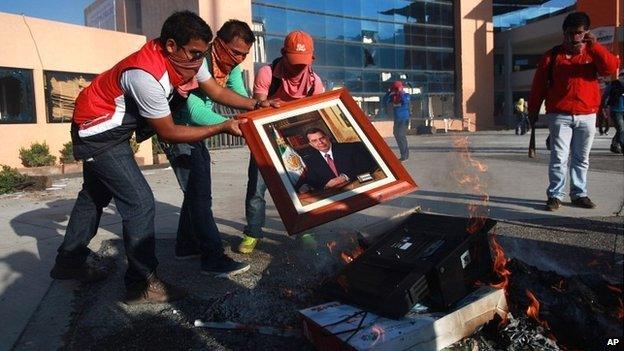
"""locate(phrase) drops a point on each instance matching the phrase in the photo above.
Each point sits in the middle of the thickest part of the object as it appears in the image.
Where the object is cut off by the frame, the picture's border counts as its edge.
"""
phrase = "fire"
(348, 257)
(331, 245)
(534, 308)
(465, 176)
(620, 311)
(500, 265)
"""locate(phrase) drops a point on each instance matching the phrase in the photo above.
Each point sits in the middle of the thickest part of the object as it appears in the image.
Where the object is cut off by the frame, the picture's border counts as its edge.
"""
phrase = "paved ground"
(41, 314)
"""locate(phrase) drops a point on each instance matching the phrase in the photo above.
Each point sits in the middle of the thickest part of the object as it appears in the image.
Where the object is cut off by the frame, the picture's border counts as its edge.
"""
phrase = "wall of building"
(475, 63)
(40, 45)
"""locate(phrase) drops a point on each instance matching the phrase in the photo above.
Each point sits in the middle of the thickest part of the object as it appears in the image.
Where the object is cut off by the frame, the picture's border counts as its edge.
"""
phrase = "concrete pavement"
(32, 224)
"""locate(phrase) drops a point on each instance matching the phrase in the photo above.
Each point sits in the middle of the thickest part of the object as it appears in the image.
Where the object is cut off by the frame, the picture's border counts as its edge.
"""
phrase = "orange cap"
(299, 48)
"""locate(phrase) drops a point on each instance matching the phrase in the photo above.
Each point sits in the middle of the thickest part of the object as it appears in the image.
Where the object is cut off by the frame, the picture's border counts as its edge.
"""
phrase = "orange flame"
(620, 311)
(500, 265)
(348, 257)
(534, 308)
(477, 210)
(331, 245)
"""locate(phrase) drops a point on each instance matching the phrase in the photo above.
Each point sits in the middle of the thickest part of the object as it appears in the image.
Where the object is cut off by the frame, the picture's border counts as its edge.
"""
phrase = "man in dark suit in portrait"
(334, 165)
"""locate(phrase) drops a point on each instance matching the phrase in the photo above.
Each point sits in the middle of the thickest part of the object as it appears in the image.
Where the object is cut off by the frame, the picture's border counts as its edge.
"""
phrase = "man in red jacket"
(566, 78)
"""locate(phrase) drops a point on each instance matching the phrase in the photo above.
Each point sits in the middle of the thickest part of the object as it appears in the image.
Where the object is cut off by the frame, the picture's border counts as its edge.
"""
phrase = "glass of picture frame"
(322, 159)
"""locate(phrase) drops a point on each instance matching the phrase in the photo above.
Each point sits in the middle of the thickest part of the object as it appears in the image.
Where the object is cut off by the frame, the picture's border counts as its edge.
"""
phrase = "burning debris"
(578, 312)
(518, 334)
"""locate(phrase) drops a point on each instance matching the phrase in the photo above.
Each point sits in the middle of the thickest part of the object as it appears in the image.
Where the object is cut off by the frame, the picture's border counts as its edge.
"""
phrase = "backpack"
(615, 93)
(276, 82)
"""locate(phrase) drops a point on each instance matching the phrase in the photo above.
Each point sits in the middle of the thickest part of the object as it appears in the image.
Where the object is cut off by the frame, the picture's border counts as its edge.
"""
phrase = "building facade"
(442, 49)
(364, 45)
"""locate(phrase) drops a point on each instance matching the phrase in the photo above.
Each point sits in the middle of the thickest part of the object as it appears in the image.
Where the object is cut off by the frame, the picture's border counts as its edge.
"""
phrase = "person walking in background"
(613, 98)
(288, 78)
(522, 122)
(566, 78)
(400, 101)
(198, 234)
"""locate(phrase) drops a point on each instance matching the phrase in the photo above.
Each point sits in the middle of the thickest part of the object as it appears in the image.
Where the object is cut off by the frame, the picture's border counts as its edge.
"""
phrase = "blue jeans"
(179, 156)
(618, 120)
(575, 134)
(197, 226)
(255, 204)
(399, 129)
(113, 174)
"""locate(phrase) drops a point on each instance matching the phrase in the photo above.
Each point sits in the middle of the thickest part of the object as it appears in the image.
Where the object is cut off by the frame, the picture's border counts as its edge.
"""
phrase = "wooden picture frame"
(279, 140)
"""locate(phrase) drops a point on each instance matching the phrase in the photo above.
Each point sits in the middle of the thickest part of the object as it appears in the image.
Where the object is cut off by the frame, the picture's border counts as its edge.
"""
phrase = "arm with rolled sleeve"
(200, 106)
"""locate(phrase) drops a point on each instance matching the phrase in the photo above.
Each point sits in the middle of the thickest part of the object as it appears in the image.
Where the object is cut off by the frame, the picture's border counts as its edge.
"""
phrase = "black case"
(425, 257)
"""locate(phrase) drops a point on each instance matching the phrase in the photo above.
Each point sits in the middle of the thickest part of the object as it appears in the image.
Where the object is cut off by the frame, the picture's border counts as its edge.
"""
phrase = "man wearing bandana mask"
(198, 234)
(130, 96)
(289, 77)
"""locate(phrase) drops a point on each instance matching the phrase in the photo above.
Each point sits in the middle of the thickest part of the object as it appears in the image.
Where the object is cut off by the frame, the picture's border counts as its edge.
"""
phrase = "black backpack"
(277, 82)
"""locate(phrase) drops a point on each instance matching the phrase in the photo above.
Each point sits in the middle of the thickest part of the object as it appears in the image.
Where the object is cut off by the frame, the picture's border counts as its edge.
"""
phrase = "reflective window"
(365, 45)
(17, 101)
(61, 91)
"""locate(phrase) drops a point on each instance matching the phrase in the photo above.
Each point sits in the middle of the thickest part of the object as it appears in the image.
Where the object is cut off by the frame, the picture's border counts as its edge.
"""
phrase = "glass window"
(354, 55)
(333, 28)
(61, 91)
(388, 57)
(335, 54)
(17, 101)
(275, 20)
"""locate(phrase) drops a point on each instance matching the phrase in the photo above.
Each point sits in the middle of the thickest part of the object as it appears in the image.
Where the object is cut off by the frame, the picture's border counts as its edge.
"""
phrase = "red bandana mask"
(223, 61)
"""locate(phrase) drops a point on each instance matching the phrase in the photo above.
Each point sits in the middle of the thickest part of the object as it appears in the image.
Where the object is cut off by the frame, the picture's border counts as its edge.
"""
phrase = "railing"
(224, 141)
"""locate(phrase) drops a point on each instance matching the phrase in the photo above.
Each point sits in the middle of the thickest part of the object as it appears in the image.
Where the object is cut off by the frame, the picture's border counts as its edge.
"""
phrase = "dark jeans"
(179, 156)
(618, 120)
(255, 204)
(522, 123)
(399, 130)
(113, 174)
(191, 165)
(603, 123)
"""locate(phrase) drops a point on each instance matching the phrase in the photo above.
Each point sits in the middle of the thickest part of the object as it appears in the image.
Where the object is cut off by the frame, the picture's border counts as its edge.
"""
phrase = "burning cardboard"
(336, 326)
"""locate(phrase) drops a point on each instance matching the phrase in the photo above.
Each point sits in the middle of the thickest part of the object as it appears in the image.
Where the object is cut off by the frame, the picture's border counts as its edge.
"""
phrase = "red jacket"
(575, 88)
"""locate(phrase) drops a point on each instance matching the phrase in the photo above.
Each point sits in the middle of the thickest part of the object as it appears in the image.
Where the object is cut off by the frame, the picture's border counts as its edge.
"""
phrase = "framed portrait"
(322, 159)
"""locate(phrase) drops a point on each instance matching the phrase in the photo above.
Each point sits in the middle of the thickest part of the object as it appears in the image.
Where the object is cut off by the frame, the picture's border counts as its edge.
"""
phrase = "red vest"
(101, 106)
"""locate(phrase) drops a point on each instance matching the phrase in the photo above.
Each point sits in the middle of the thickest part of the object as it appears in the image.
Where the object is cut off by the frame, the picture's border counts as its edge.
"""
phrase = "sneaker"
(583, 202)
(616, 148)
(223, 268)
(153, 291)
(186, 252)
(553, 204)
(247, 245)
(84, 273)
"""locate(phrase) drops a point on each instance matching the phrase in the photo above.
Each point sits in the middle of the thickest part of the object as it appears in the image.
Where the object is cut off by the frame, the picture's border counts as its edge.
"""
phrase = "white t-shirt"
(149, 95)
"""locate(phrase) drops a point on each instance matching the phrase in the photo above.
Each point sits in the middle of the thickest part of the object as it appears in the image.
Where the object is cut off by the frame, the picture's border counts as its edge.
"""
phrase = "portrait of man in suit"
(333, 165)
